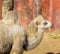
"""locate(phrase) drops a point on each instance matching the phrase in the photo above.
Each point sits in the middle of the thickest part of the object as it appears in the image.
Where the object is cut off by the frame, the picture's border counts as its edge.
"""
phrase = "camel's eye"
(45, 23)
(37, 23)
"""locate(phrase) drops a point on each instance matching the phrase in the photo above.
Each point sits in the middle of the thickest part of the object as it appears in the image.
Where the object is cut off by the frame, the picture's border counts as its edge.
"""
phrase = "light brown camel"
(14, 38)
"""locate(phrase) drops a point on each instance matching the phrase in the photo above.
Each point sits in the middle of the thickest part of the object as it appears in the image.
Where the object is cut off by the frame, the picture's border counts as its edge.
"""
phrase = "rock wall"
(29, 9)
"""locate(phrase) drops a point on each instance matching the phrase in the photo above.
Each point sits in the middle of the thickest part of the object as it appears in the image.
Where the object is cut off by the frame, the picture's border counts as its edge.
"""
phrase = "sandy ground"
(47, 46)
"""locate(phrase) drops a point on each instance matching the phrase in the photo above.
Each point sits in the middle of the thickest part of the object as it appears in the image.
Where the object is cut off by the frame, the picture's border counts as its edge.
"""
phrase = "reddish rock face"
(27, 9)
(25, 12)
(56, 15)
(1, 9)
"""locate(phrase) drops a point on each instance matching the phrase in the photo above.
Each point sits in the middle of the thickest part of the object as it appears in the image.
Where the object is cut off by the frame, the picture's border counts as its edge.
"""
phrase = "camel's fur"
(12, 36)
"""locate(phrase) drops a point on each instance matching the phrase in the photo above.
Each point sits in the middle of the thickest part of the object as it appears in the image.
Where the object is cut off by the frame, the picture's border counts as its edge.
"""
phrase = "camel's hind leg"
(17, 47)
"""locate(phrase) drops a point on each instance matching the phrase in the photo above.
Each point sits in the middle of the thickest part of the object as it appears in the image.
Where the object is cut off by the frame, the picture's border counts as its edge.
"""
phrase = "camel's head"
(45, 24)
(40, 23)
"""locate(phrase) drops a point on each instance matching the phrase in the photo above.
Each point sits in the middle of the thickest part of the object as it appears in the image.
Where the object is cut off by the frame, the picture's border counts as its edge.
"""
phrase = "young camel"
(14, 38)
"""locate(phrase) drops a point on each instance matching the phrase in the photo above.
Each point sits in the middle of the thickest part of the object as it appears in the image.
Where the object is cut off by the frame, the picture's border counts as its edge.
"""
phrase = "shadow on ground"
(52, 53)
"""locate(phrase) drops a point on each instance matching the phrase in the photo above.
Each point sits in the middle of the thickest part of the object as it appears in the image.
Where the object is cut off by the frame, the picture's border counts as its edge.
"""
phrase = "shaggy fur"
(13, 37)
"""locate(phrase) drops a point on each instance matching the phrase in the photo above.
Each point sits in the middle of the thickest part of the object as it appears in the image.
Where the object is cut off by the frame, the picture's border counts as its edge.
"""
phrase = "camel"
(14, 39)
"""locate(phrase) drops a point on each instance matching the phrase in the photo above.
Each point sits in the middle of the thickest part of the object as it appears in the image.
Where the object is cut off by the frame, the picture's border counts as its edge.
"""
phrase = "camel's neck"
(40, 32)
(34, 37)
(35, 32)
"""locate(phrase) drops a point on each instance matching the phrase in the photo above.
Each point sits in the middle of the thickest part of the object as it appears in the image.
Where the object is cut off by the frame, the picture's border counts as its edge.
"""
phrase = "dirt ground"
(49, 45)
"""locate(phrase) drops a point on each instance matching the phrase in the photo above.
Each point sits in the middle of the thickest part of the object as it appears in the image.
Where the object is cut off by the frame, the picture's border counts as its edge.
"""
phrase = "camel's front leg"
(17, 47)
